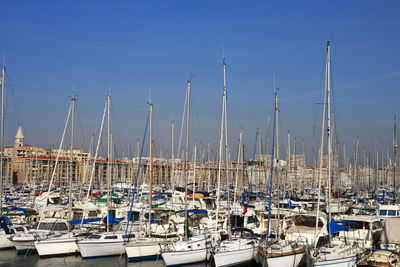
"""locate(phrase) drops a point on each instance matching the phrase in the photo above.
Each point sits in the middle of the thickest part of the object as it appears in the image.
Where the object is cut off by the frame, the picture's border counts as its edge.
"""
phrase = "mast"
(73, 101)
(3, 96)
(253, 164)
(188, 89)
(172, 140)
(238, 169)
(321, 148)
(369, 171)
(194, 170)
(276, 110)
(376, 168)
(209, 167)
(288, 167)
(227, 153)
(172, 153)
(221, 141)
(295, 163)
(303, 166)
(277, 163)
(328, 130)
(394, 152)
(355, 182)
(108, 158)
(151, 165)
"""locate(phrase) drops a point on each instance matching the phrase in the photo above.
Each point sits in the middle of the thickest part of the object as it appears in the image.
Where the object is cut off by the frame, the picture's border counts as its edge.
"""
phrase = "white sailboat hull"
(292, 260)
(56, 247)
(142, 251)
(186, 257)
(229, 258)
(23, 243)
(5, 242)
(102, 248)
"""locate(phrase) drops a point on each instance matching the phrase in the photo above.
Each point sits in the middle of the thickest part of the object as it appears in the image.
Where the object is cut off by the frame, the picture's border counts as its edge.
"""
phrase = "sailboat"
(191, 249)
(45, 228)
(7, 229)
(63, 244)
(338, 252)
(147, 247)
(110, 242)
(275, 251)
(240, 246)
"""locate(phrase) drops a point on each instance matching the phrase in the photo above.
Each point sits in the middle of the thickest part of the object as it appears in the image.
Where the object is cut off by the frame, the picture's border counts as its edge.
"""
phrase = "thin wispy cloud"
(350, 86)
(377, 79)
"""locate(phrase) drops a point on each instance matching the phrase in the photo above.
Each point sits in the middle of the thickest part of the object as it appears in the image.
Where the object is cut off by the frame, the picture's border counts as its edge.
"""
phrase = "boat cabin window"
(237, 221)
(306, 221)
(252, 219)
(44, 226)
(55, 200)
(391, 213)
(50, 226)
(247, 235)
(60, 226)
(77, 215)
(356, 225)
(111, 237)
(129, 236)
(382, 212)
(134, 216)
(92, 213)
(19, 229)
(322, 241)
(94, 237)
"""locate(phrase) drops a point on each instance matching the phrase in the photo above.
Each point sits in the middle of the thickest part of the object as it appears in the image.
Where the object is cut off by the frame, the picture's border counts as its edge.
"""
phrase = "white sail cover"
(391, 233)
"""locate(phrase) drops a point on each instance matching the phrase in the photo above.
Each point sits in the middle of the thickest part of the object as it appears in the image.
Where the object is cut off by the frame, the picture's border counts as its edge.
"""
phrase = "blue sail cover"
(292, 206)
(194, 211)
(334, 227)
(112, 219)
(4, 222)
(73, 222)
(10, 199)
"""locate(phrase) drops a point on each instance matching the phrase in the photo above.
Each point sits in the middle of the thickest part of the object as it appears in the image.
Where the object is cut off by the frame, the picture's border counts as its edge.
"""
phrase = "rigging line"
(137, 174)
(159, 141)
(80, 127)
(182, 125)
(10, 85)
(118, 129)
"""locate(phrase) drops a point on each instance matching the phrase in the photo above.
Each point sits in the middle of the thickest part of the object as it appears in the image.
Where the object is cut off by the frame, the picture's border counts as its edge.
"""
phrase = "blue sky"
(129, 46)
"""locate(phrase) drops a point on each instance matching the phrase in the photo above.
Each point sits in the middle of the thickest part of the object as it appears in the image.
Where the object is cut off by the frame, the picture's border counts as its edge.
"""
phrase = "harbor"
(275, 221)
(125, 183)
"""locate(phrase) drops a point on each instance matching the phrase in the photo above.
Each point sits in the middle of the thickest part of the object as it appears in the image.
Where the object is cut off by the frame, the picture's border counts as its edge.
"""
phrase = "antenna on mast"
(149, 101)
